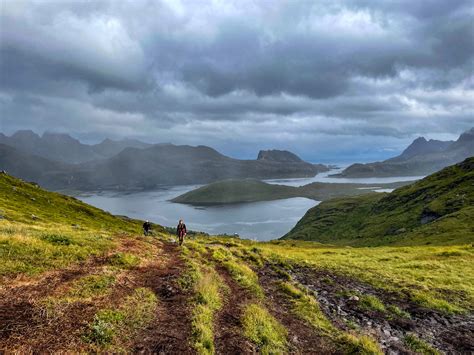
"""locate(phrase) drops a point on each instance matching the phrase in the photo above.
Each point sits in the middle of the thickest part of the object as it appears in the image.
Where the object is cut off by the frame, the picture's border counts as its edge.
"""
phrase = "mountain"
(35, 168)
(63, 148)
(422, 157)
(242, 191)
(173, 165)
(135, 168)
(284, 156)
(109, 147)
(53, 146)
(422, 146)
(278, 155)
(438, 209)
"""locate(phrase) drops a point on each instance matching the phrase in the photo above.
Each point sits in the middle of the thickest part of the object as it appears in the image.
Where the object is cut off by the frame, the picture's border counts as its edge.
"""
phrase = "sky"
(329, 80)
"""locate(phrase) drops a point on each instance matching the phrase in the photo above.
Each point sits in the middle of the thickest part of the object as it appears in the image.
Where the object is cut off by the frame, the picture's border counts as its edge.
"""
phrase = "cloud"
(284, 73)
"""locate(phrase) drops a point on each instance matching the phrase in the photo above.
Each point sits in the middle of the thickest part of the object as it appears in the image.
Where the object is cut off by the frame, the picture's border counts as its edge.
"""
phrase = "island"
(233, 191)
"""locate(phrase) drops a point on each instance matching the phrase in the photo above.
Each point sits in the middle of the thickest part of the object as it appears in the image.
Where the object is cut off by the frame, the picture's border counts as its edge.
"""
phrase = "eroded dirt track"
(303, 339)
(25, 328)
(169, 333)
(228, 337)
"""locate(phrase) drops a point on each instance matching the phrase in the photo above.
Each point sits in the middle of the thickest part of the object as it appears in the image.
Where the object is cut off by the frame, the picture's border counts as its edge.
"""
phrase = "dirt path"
(228, 337)
(448, 333)
(24, 329)
(303, 339)
(20, 322)
(169, 333)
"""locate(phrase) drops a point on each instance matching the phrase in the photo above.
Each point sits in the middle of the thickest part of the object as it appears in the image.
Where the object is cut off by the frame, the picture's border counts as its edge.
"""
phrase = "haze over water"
(261, 220)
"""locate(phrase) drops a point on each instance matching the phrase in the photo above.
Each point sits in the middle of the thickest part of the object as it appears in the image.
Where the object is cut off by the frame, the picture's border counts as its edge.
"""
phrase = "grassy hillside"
(436, 210)
(40, 230)
(71, 269)
(241, 191)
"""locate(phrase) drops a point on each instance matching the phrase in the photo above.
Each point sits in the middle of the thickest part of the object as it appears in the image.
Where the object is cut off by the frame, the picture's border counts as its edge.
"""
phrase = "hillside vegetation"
(438, 209)
(241, 191)
(74, 278)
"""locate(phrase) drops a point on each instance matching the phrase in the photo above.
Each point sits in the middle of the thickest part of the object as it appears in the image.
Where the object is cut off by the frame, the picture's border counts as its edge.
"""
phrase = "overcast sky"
(329, 80)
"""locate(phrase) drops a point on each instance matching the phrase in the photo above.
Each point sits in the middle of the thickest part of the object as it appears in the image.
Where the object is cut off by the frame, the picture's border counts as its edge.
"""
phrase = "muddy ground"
(335, 294)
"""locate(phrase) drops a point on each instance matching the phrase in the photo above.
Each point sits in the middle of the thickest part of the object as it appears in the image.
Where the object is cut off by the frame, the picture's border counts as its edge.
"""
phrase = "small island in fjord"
(250, 190)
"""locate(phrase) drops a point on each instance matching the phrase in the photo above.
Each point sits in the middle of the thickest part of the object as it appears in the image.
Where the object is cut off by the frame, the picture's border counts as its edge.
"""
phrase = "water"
(324, 177)
(260, 221)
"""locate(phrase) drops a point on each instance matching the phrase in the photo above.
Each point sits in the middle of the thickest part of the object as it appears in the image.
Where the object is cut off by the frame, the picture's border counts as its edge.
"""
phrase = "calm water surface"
(260, 221)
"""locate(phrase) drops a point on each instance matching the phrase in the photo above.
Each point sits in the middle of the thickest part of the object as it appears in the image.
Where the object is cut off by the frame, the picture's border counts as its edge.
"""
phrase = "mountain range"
(58, 161)
(64, 148)
(422, 157)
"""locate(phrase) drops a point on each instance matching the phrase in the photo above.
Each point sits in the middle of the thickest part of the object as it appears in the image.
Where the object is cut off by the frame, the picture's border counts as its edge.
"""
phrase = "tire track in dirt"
(169, 333)
(228, 338)
(302, 337)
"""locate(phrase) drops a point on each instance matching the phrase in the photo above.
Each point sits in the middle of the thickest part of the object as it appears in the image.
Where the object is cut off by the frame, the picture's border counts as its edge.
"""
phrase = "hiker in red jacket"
(181, 231)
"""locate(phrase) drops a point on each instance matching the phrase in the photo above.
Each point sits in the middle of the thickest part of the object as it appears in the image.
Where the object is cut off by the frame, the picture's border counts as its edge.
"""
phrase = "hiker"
(146, 227)
(181, 231)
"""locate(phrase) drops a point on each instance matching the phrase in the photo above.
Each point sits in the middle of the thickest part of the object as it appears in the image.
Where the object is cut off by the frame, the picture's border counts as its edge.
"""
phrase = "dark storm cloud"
(247, 72)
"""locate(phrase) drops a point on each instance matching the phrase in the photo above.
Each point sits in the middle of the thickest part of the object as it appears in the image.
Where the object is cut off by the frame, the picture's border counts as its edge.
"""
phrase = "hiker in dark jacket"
(146, 227)
(181, 231)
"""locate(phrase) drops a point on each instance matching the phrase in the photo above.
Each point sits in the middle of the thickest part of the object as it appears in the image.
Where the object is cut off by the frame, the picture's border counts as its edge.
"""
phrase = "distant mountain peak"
(422, 146)
(278, 156)
(420, 140)
(60, 137)
(25, 133)
(466, 136)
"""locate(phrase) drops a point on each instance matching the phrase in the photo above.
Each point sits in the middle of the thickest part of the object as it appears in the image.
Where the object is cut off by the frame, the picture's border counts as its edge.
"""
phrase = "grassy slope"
(400, 217)
(240, 191)
(40, 230)
(435, 276)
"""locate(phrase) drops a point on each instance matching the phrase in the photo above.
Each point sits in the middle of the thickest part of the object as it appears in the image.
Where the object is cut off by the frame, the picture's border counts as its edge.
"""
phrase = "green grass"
(208, 301)
(399, 218)
(244, 276)
(26, 249)
(305, 307)
(395, 310)
(42, 230)
(264, 330)
(92, 286)
(124, 260)
(371, 302)
(113, 326)
(22, 202)
(238, 270)
(419, 346)
(434, 281)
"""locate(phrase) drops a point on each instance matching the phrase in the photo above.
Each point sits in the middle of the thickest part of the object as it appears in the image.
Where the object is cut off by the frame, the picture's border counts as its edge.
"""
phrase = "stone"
(354, 298)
